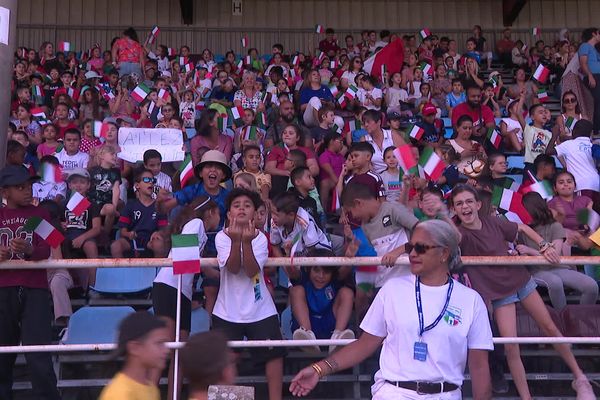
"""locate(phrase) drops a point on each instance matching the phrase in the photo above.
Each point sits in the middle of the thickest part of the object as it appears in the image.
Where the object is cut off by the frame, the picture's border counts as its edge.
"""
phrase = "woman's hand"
(591, 81)
(304, 382)
(551, 255)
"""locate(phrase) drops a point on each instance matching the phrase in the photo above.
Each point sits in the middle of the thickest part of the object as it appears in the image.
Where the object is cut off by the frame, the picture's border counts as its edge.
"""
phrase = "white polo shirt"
(578, 156)
(393, 316)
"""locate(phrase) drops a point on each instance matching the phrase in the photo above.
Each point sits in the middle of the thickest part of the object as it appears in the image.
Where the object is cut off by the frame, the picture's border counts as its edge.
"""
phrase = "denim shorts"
(522, 293)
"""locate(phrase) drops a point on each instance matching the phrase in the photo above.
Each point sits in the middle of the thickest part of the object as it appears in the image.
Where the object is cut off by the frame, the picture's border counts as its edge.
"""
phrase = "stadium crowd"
(342, 151)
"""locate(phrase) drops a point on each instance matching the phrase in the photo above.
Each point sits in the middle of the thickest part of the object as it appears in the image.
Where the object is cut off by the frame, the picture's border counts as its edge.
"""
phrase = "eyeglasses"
(570, 100)
(146, 179)
(419, 248)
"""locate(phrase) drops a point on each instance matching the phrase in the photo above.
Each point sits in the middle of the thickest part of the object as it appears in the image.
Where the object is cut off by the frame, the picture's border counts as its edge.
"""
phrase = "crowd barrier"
(278, 262)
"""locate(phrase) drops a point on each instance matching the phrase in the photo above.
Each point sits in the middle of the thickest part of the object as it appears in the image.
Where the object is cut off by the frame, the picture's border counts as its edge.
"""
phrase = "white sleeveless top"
(377, 159)
(514, 124)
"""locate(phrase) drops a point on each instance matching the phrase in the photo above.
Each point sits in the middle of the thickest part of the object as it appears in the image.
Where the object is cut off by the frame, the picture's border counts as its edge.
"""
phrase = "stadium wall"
(290, 22)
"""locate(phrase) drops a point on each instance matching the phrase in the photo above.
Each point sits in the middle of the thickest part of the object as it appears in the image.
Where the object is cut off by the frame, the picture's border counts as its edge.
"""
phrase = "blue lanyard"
(422, 327)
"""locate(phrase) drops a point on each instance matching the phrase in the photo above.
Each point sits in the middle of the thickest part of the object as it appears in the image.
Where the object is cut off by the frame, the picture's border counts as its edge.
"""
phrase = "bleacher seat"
(91, 325)
(527, 327)
(124, 280)
(286, 323)
(581, 320)
(200, 321)
(515, 163)
(517, 178)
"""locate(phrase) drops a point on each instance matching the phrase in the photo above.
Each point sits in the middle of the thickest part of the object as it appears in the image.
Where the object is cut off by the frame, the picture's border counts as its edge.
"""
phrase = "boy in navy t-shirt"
(139, 218)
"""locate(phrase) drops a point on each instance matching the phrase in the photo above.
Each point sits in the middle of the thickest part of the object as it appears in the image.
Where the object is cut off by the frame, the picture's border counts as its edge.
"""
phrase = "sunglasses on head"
(570, 100)
(419, 248)
(146, 179)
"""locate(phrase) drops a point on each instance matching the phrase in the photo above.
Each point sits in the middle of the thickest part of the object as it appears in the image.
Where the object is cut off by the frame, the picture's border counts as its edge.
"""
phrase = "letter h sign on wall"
(236, 8)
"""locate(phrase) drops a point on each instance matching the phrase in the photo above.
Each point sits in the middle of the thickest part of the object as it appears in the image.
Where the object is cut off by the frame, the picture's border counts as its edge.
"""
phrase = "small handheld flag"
(415, 131)
(544, 188)
(153, 35)
(78, 203)
(140, 92)
(100, 129)
(171, 52)
(511, 201)
(51, 173)
(541, 74)
(535, 31)
(45, 230)
(163, 94)
(494, 137)
(186, 171)
(245, 41)
(406, 159)
(319, 29)
(64, 46)
(424, 33)
(334, 90)
(185, 253)
(426, 68)
(432, 164)
(250, 133)
(542, 95)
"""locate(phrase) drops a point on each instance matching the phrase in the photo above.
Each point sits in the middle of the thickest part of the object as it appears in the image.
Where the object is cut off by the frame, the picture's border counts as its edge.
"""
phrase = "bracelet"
(545, 247)
(329, 365)
(317, 369)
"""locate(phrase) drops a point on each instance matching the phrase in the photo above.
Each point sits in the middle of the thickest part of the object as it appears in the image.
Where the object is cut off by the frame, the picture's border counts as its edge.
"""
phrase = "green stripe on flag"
(187, 240)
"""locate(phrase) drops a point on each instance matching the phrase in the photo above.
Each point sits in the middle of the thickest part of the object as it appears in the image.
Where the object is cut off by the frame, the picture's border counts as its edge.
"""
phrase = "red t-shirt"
(279, 153)
(11, 226)
(326, 46)
(484, 114)
(61, 130)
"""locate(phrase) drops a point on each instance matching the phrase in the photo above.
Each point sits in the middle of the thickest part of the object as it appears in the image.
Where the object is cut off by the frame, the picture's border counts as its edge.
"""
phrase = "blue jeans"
(127, 68)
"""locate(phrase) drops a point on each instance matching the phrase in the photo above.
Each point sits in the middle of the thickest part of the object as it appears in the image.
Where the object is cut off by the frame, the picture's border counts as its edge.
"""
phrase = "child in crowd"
(246, 181)
(391, 175)
(139, 217)
(49, 146)
(496, 171)
(535, 138)
(141, 340)
(55, 191)
(153, 162)
(330, 164)
(25, 297)
(30, 157)
(244, 306)
(326, 117)
(62, 121)
(321, 302)
(433, 127)
(456, 96)
(303, 183)
(370, 96)
(88, 140)
(555, 278)
(248, 134)
(510, 127)
(252, 158)
(207, 360)
(545, 168)
(395, 95)
(15, 155)
(105, 184)
(187, 109)
(70, 157)
(450, 177)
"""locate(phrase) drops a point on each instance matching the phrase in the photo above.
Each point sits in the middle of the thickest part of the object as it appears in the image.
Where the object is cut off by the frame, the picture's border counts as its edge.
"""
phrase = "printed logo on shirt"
(329, 293)
(257, 294)
(452, 316)
(386, 221)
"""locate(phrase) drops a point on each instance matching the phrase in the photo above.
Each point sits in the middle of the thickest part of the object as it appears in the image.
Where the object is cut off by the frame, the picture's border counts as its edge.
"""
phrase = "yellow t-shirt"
(122, 387)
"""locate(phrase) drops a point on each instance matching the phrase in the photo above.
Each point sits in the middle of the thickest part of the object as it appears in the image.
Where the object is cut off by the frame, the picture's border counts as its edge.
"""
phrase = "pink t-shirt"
(336, 161)
(46, 150)
(570, 209)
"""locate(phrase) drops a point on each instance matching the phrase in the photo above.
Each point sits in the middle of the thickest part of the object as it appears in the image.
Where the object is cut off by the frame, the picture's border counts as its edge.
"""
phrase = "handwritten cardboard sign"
(135, 141)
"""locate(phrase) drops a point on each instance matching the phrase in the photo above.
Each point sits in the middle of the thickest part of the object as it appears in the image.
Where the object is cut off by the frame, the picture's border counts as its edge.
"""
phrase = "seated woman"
(321, 301)
(470, 152)
(312, 96)
(570, 114)
(553, 277)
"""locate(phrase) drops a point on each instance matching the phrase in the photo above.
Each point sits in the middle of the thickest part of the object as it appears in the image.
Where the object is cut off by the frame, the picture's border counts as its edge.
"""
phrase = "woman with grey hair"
(248, 96)
(429, 325)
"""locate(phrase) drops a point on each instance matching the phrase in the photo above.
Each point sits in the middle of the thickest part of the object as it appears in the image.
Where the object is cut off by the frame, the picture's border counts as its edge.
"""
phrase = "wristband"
(318, 370)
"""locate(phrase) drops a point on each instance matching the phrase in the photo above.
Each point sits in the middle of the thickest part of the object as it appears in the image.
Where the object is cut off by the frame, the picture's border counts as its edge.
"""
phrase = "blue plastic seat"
(282, 279)
(447, 122)
(517, 178)
(286, 323)
(91, 325)
(515, 162)
(448, 133)
(124, 280)
(200, 321)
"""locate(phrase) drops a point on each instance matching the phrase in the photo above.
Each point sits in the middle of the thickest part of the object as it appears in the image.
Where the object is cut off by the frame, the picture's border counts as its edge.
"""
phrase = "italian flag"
(295, 60)
(153, 34)
(100, 129)
(245, 41)
(569, 123)
(45, 230)
(542, 95)
(37, 91)
(185, 253)
(541, 74)
(261, 119)
(222, 122)
(535, 31)
(171, 51)
(589, 217)
(544, 188)
(494, 137)
(426, 68)
(510, 201)
(424, 33)
(200, 106)
(163, 94)
(351, 126)
(51, 173)
(182, 60)
(248, 60)
(186, 171)
(406, 159)
(250, 133)
(78, 203)
(240, 66)
(188, 67)
(334, 90)
(341, 98)
(351, 92)
(432, 164)
(392, 56)
(237, 112)
(333, 64)
(319, 29)
(64, 46)
(415, 132)
(140, 92)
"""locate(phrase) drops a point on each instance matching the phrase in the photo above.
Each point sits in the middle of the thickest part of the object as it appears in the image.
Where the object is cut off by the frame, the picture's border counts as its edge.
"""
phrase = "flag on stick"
(510, 201)
(186, 171)
(494, 137)
(100, 129)
(406, 159)
(319, 29)
(64, 46)
(185, 253)
(140, 92)
(51, 173)
(78, 203)
(45, 230)
(544, 188)
(415, 131)
(541, 74)
(432, 164)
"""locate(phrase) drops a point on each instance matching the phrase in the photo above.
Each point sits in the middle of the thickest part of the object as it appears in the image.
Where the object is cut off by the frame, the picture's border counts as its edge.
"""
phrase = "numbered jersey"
(11, 226)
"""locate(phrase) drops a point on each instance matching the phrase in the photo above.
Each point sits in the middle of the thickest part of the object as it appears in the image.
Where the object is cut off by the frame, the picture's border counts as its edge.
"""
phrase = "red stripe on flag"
(186, 267)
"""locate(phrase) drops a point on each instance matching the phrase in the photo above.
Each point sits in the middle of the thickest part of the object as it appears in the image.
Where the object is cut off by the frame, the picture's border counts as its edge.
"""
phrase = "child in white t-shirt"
(244, 306)
(394, 94)
(187, 109)
(70, 157)
(370, 96)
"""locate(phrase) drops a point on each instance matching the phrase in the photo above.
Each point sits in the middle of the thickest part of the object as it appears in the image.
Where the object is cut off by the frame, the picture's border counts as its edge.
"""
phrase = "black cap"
(13, 175)
(135, 326)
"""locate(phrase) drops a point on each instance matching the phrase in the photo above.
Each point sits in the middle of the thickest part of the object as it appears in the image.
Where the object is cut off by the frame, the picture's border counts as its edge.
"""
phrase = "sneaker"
(303, 334)
(346, 334)
(584, 389)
